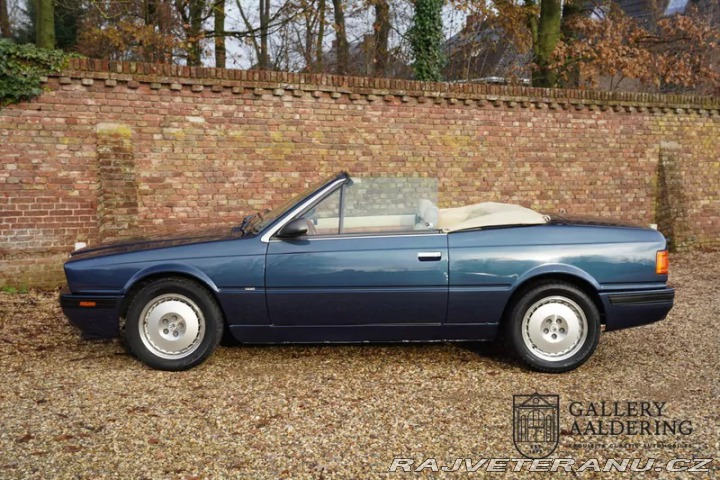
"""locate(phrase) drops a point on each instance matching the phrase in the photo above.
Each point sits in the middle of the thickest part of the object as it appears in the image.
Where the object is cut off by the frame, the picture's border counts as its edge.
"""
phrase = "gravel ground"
(77, 409)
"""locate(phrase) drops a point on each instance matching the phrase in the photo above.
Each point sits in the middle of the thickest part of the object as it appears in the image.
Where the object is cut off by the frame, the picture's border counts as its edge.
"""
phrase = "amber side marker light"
(662, 263)
(87, 304)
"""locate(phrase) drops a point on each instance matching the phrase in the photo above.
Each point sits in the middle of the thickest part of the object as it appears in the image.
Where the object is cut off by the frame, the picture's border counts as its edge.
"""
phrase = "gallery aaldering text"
(625, 418)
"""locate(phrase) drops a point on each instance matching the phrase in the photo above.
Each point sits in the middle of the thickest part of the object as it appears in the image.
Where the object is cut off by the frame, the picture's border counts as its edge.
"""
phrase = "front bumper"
(634, 308)
(97, 316)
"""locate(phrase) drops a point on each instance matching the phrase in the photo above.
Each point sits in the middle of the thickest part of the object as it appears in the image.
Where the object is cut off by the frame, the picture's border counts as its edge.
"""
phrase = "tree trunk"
(342, 53)
(321, 37)
(263, 59)
(45, 24)
(4, 20)
(194, 33)
(381, 29)
(308, 46)
(219, 17)
(547, 37)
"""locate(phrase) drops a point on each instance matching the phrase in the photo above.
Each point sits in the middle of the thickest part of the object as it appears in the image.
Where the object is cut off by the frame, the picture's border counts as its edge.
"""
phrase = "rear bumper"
(102, 320)
(634, 308)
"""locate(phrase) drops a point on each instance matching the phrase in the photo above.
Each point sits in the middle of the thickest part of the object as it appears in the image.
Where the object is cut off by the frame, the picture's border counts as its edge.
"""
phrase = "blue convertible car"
(374, 260)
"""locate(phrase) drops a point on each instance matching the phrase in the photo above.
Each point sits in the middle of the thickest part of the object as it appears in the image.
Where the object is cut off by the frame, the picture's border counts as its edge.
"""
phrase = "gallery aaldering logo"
(536, 424)
(536, 435)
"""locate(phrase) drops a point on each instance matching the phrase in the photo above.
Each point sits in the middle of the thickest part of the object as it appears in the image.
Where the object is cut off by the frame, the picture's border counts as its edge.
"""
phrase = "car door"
(344, 275)
(360, 280)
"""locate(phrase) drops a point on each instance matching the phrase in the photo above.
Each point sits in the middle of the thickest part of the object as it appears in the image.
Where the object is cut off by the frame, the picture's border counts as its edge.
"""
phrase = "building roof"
(482, 52)
(360, 62)
(648, 9)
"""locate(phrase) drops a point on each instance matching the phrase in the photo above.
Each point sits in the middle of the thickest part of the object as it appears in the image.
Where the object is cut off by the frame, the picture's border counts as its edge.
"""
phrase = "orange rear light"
(662, 264)
(87, 304)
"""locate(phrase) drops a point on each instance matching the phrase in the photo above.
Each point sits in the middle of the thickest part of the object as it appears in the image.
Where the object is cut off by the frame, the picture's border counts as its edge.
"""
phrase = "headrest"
(429, 213)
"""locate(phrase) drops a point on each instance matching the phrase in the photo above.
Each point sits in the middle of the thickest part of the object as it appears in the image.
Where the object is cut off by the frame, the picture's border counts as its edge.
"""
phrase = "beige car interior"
(486, 214)
(429, 217)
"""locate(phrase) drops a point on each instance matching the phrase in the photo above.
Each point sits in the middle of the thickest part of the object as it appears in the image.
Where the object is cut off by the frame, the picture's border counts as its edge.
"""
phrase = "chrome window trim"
(376, 235)
(289, 216)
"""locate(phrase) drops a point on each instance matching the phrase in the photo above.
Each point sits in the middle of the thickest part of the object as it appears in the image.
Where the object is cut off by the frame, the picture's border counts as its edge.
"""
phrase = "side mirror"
(294, 229)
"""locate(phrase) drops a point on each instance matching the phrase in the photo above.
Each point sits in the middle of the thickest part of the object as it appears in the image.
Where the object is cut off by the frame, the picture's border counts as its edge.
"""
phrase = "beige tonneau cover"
(486, 214)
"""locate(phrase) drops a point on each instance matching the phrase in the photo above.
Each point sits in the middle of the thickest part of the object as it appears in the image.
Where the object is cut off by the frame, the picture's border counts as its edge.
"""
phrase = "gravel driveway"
(77, 409)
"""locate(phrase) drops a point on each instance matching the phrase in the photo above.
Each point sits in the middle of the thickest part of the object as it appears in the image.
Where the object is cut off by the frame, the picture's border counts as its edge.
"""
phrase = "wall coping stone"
(175, 77)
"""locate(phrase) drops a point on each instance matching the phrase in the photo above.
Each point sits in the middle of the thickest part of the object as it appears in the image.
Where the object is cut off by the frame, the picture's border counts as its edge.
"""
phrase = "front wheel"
(173, 324)
(554, 327)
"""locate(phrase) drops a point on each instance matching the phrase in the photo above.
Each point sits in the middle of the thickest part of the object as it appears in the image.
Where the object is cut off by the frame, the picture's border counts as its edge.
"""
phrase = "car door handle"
(429, 256)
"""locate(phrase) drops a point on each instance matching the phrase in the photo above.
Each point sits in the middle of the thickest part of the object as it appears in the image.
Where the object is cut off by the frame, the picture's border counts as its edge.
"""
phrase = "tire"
(554, 327)
(173, 324)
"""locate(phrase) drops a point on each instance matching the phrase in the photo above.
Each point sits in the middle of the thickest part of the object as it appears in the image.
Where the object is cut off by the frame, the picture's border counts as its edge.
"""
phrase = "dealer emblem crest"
(536, 424)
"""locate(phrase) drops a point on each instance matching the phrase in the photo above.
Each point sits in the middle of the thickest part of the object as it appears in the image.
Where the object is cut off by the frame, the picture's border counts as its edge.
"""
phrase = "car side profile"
(374, 260)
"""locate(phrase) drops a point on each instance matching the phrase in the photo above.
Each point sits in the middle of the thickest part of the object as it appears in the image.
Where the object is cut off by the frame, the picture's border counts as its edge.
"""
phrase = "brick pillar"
(671, 211)
(118, 193)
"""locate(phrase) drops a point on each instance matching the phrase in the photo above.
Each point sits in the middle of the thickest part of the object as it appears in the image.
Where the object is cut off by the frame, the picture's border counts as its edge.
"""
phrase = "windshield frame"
(284, 212)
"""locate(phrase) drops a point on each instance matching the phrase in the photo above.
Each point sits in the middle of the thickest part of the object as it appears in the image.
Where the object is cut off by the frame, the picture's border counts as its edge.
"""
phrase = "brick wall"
(114, 150)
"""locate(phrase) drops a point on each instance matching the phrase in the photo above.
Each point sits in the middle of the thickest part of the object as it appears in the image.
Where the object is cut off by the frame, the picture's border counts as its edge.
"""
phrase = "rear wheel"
(554, 327)
(173, 324)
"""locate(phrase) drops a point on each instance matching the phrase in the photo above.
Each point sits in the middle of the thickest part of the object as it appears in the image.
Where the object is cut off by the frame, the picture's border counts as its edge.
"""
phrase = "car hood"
(154, 242)
(565, 219)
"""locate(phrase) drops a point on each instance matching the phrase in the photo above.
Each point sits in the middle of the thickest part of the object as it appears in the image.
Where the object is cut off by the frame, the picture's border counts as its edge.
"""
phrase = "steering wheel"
(311, 227)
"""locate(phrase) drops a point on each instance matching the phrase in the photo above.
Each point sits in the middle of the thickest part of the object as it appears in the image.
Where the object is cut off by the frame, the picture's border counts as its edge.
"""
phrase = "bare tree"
(264, 8)
(381, 32)
(320, 36)
(269, 24)
(193, 14)
(4, 20)
(342, 52)
(219, 21)
(310, 34)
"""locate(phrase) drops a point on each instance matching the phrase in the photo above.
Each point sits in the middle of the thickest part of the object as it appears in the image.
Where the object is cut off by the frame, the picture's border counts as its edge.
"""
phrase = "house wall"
(115, 150)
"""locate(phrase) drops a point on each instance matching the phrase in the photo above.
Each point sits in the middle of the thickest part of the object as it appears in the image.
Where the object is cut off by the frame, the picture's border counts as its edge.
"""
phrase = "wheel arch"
(144, 277)
(571, 275)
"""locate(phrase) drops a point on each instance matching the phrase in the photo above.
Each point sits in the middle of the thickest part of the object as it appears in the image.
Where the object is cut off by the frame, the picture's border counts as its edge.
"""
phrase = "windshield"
(264, 219)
